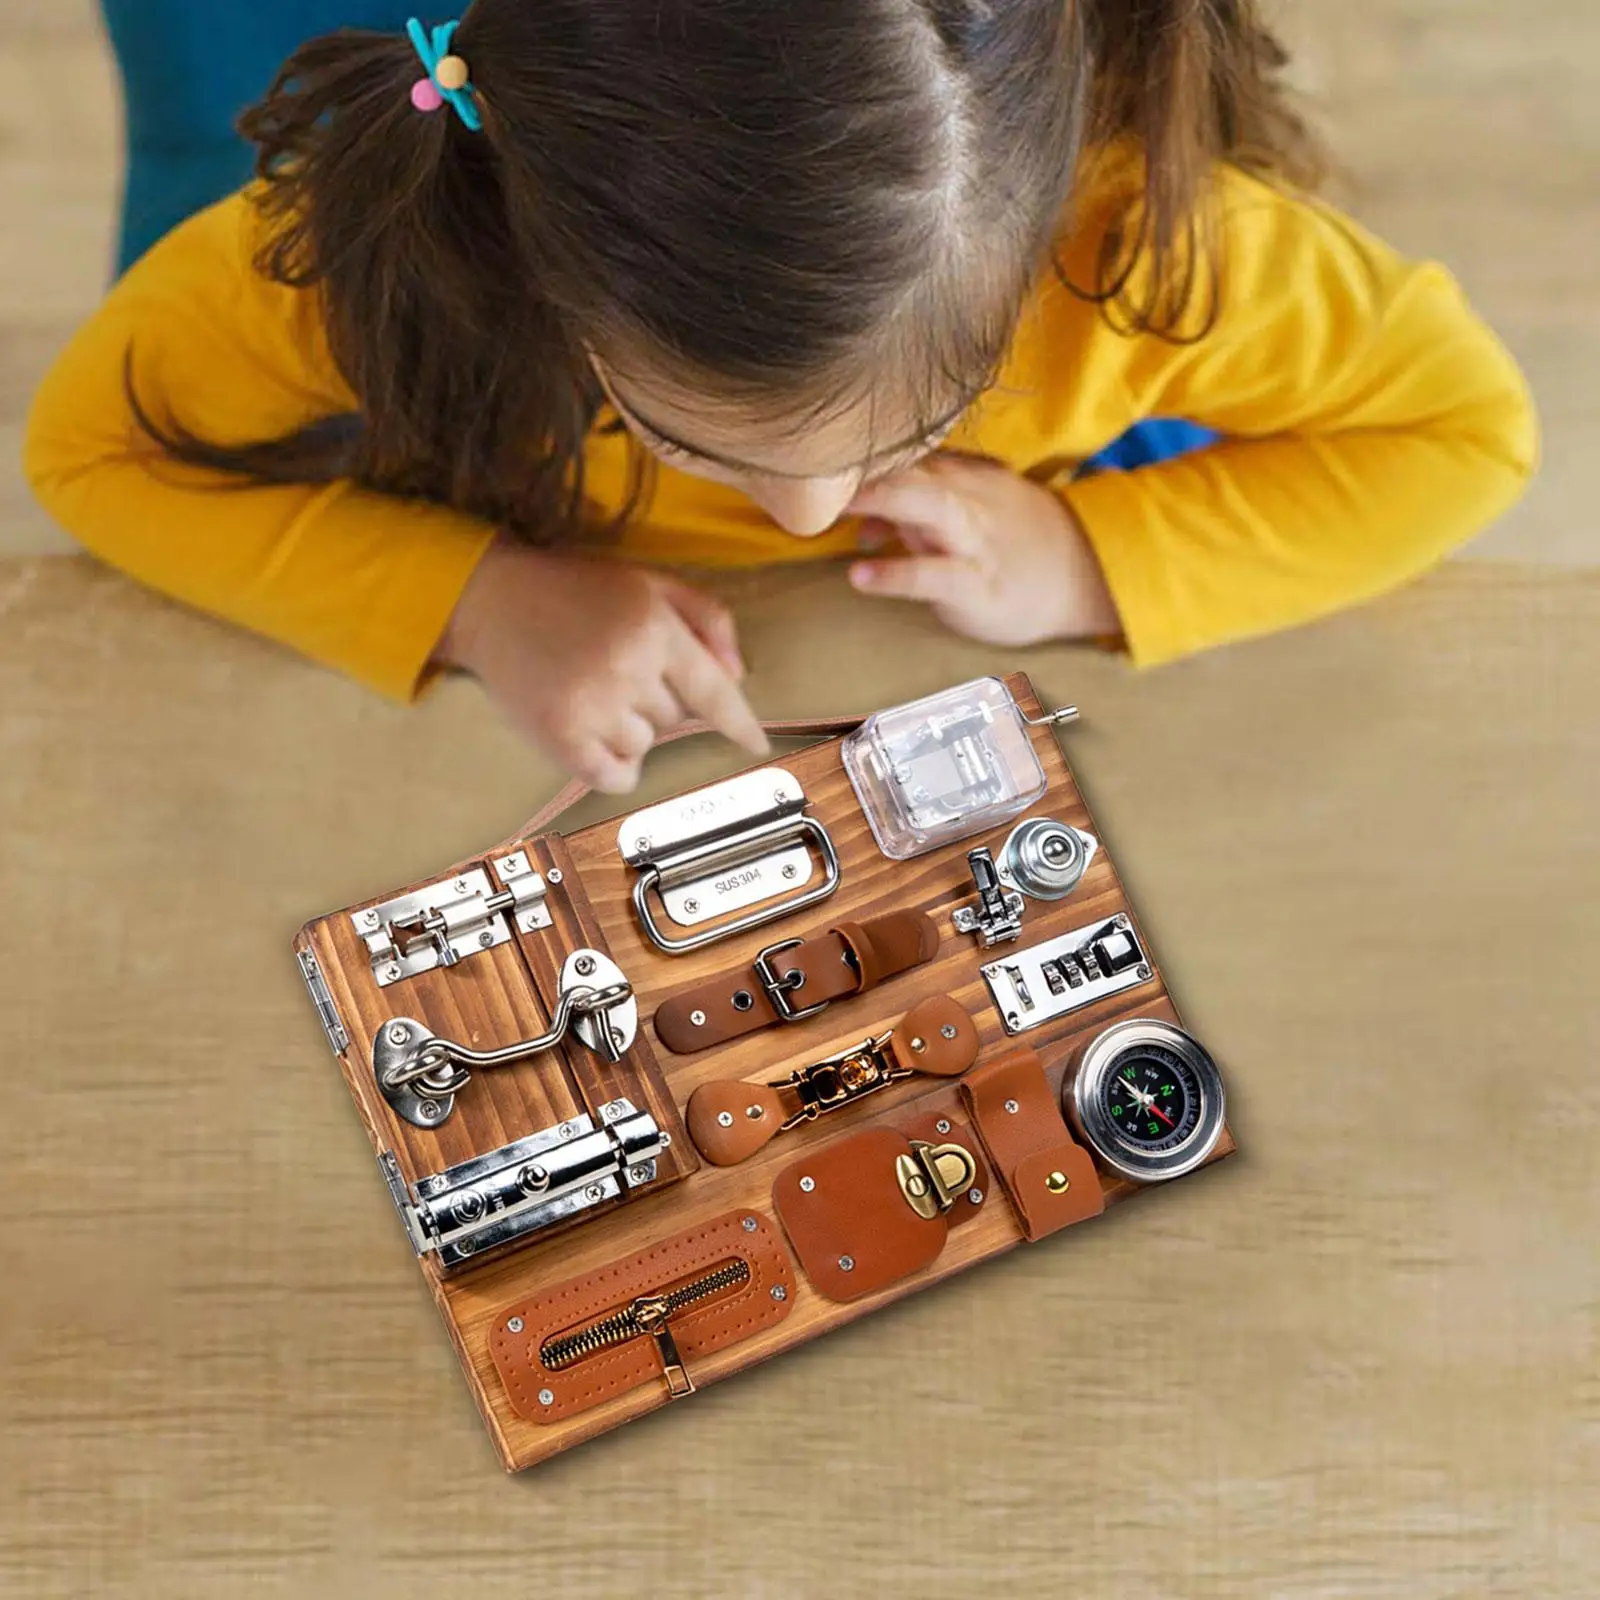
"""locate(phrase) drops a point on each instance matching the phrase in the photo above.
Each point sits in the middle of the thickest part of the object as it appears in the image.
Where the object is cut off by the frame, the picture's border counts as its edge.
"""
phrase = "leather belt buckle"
(778, 989)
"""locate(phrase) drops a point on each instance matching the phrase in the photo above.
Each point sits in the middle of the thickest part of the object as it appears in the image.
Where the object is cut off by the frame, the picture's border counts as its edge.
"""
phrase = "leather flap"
(889, 944)
(850, 1225)
(937, 1036)
(720, 1319)
(1050, 1177)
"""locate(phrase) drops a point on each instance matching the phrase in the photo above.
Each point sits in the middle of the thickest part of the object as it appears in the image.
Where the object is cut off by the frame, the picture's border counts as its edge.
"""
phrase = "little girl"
(524, 310)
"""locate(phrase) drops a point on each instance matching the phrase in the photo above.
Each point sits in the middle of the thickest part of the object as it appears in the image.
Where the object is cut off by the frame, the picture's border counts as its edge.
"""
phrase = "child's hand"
(998, 557)
(592, 659)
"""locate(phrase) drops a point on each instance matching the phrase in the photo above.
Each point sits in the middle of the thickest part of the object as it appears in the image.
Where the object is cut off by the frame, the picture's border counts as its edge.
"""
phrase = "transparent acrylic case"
(943, 768)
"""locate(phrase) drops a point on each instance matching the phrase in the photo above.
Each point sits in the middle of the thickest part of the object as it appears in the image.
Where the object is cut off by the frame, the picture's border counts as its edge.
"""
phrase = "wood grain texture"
(593, 900)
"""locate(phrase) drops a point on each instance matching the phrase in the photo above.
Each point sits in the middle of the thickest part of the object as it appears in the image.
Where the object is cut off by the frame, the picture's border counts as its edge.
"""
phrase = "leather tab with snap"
(1050, 1177)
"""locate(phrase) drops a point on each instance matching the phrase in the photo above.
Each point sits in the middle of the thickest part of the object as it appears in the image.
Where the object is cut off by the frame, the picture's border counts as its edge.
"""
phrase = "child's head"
(788, 242)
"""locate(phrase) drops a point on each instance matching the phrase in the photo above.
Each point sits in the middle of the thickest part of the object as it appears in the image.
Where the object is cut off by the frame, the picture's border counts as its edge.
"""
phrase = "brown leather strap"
(573, 791)
(849, 959)
(729, 1120)
(1050, 1177)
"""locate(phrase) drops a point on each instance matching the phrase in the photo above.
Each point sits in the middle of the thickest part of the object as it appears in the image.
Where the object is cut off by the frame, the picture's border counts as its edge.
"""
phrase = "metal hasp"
(527, 1185)
(743, 842)
(1046, 981)
(996, 918)
(445, 922)
(420, 1074)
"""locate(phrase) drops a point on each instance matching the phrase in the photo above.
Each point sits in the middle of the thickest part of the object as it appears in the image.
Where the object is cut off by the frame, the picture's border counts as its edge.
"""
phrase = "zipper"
(648, 1314)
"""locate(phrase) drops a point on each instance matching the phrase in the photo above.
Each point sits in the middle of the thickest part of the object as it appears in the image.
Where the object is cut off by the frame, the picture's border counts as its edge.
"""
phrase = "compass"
(1147, 1099)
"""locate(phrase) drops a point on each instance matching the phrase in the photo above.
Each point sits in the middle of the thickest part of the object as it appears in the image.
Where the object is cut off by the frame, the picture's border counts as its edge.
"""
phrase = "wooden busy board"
(505, 994)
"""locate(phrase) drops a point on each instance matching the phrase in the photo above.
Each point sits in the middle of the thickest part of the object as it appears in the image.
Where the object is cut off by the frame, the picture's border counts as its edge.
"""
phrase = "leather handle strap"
(729, 1119)
(789, 980)
(575, 789)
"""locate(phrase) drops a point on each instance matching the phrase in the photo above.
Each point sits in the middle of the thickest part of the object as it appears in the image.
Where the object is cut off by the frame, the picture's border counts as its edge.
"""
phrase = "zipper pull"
(650, 1313)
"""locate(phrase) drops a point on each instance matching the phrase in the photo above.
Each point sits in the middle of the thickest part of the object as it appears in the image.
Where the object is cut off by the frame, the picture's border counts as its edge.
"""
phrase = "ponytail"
(1190, 84)
(398, 221)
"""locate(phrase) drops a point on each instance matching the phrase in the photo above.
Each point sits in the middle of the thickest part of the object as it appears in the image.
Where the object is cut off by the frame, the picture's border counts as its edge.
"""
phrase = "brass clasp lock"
(836, 1081)
(934, 1176)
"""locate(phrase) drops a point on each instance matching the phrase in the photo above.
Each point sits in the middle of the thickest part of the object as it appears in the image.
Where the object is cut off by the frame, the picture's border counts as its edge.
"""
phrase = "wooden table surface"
(1358, 1359)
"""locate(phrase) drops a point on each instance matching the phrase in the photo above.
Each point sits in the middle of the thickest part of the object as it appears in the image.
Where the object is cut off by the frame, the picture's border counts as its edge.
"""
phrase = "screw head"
(594, 1192)
(547, 1397)
(948, 1031)
(749, 1224)
(691, 905)
(553, 875)
(583, 966)
(943, 1125)
(697, 1019)
(755, 1113)
(1142, 971)
(1012, 1107)
(975, 1196)
(638, 1174)
(847, 1263)
(779, 1292)
(1058, 1183)
(724, 1119)
(398, 1033)
(1012, 1020)
(790, 869)
(428, 1108)
(486, 939)
(392, 972)
(370, 918)
(642, 842)
(514, 1325)
(565, 1131)
(460, 885)
(780, 795)
(808, 1184)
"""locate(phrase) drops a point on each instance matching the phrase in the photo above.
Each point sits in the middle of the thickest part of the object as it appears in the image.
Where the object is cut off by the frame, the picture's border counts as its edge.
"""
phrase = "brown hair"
(780, 200)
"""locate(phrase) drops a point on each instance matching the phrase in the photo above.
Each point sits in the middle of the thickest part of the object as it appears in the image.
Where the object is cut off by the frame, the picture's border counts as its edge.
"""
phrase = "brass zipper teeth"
(623, 1325)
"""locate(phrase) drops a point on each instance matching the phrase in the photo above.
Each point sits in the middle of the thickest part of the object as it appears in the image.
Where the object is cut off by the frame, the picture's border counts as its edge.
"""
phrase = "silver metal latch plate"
(1045, 981)
(445, 922)
(741, 844)
(527, 1185)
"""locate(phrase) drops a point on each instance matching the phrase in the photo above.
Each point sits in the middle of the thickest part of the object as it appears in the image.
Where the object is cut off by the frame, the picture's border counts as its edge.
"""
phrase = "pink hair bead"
(425, 95)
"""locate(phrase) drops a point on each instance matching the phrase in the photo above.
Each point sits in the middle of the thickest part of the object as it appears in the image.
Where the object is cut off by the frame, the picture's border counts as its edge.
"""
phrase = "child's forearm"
(1257, 535)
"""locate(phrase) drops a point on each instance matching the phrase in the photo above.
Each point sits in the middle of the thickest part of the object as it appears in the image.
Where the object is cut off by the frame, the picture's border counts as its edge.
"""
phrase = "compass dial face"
(1153, 1098)
(1147, 1099)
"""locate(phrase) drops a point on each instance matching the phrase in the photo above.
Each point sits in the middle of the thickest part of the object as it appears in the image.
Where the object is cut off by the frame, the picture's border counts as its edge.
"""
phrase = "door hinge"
(323, 1001)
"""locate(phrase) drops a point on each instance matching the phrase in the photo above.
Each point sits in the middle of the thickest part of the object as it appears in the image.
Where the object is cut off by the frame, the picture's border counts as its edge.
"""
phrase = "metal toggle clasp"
(934, 1176)
(837, 1080)
(420, 1074)
(997, 916)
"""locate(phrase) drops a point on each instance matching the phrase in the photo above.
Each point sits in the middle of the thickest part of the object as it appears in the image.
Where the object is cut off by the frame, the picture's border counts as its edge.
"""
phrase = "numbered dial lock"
(1147, 1099)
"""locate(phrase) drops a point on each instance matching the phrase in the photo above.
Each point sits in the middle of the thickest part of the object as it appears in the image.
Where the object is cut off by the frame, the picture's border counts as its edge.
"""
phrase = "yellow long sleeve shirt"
(1373, 423)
